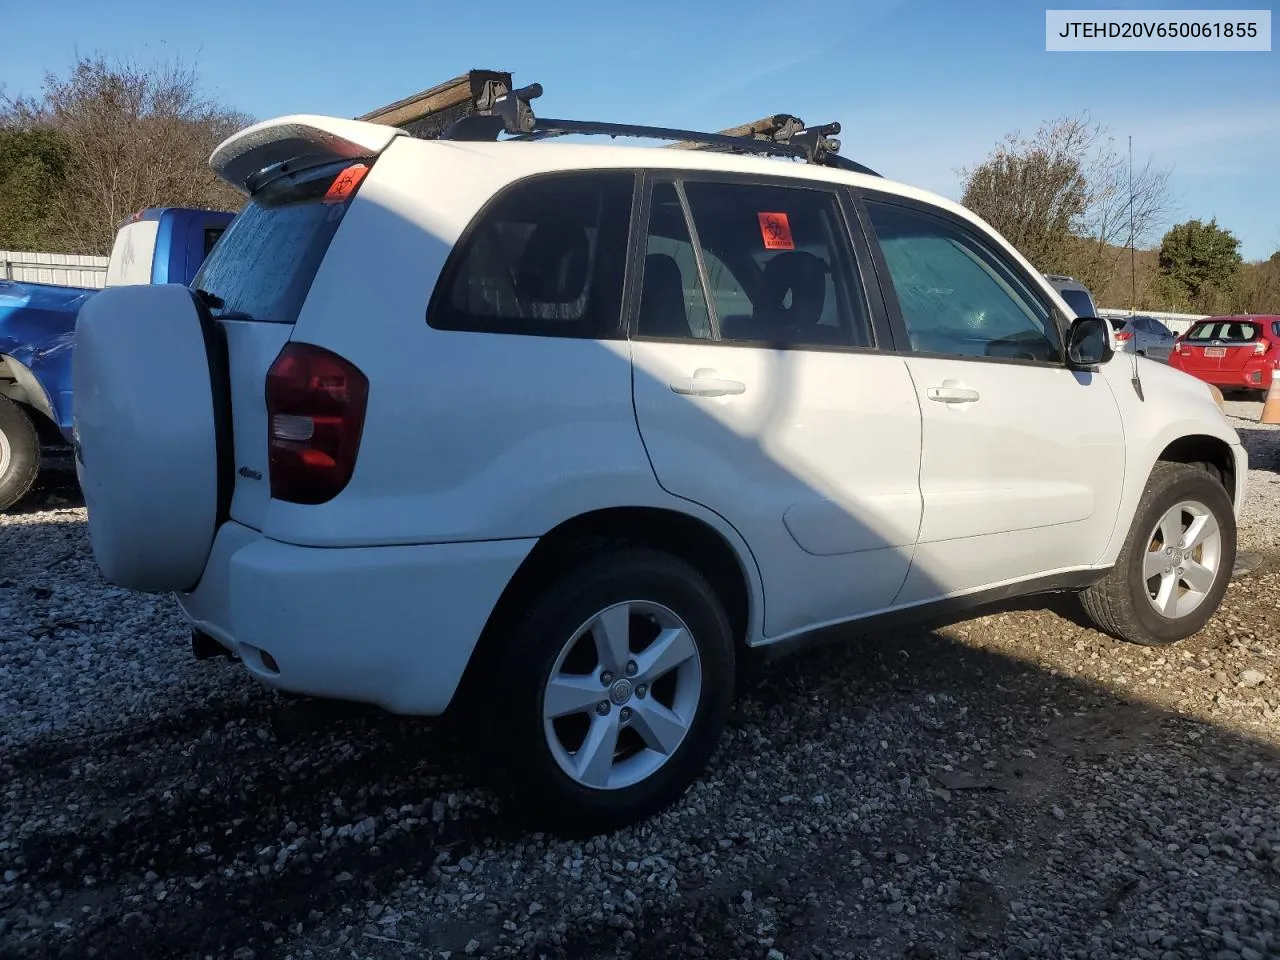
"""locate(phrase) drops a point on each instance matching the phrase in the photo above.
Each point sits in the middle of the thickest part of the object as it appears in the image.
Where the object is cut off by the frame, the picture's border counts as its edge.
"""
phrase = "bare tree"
(137, 137)
(1062, 198)
(1033, 191)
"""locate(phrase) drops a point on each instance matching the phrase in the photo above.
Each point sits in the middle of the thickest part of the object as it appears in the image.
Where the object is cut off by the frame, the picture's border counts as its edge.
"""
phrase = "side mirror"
(1088, 342)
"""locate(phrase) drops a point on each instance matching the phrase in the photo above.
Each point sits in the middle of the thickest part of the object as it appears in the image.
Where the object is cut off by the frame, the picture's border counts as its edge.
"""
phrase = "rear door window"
(546, 258)
(779, 264)
(672, 303)
(262, 266)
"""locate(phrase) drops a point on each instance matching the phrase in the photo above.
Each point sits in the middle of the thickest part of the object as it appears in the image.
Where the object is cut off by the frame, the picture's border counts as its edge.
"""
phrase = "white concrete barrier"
(62, 269)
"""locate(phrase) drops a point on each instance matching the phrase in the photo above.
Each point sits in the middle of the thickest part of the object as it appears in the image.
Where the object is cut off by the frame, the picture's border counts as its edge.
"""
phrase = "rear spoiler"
(250, 159)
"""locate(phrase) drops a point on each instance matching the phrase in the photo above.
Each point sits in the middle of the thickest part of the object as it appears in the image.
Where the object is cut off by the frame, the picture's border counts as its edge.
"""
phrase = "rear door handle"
(950, 394)
(705, 383)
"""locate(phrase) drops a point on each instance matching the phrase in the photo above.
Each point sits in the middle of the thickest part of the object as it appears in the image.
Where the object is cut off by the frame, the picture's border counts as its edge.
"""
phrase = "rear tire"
(1144, 599)
(556, 692)
(19, 453)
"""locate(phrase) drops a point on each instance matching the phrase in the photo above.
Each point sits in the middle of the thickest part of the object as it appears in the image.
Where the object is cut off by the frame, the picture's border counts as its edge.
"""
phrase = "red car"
(1232, 353)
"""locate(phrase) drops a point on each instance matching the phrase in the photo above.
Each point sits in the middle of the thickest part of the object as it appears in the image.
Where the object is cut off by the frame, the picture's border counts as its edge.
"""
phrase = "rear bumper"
(391, 626)
(1253, 376)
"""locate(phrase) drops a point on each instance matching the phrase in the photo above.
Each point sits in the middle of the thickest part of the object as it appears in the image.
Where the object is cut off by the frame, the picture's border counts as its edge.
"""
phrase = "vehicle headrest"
(805, 277)
(554, 266)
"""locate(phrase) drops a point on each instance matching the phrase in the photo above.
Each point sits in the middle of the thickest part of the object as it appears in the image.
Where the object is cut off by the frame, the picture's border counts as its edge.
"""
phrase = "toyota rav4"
(559, 434)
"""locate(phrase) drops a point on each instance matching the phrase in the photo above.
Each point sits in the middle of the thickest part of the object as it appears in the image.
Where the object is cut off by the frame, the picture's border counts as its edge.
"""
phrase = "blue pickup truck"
(37, 331)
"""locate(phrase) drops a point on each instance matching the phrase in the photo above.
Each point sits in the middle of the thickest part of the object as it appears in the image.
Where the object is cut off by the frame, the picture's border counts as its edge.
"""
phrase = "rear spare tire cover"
(145, 432)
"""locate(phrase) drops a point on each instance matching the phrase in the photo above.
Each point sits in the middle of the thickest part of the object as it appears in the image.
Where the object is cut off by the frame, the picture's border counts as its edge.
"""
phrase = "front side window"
(779, 269)
(547, 258)
(958, 297)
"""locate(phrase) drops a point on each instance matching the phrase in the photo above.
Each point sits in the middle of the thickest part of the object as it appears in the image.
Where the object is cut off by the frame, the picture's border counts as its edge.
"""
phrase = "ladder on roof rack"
(482, 105)
(778, 125)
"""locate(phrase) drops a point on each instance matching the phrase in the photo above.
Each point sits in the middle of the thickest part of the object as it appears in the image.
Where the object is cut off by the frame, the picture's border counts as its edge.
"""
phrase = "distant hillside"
(1257, 289)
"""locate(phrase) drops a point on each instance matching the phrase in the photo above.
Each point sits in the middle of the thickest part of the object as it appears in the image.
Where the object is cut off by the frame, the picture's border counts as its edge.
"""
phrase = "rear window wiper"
(210, 300)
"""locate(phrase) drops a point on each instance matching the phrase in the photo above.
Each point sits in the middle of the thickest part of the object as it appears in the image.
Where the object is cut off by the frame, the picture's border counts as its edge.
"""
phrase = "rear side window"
(546, 258)
(262, 266)
(1227, 331)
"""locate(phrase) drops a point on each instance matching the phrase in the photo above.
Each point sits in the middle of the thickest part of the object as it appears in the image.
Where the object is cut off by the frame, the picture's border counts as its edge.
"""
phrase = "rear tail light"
(1177, 346)
(1124, 336)
(1259, 347)
(315, 413)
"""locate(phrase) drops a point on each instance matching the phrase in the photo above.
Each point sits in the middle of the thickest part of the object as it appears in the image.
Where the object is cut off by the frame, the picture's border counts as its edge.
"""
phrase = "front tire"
(19, 453)
(611, 693)
(1176, 563)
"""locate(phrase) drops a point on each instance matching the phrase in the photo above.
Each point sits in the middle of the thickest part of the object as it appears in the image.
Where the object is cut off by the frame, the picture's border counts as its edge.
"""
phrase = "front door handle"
(705, 383)
(952, 394)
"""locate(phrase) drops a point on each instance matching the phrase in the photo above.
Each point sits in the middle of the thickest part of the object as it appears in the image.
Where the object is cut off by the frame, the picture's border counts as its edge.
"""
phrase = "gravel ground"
(1014, 785)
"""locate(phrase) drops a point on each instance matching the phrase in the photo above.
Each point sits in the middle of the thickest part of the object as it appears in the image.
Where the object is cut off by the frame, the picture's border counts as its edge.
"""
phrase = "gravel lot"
(1015, 785)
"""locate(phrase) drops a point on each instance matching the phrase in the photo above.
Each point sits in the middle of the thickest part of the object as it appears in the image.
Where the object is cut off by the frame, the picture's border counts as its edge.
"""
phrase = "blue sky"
(922, 87)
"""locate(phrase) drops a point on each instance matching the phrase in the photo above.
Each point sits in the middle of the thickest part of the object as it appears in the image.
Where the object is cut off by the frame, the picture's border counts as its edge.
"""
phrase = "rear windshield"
(1227, 331)
(263, 264)
(1117, 325)
(1080, 302)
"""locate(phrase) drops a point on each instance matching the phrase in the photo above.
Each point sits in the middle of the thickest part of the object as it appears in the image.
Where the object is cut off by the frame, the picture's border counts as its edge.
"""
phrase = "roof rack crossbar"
(500, 111)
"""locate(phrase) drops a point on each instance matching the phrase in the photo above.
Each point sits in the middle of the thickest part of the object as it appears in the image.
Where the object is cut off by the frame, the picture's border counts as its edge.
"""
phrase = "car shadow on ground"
(56, 486)
(1262, 446)
(923, 789)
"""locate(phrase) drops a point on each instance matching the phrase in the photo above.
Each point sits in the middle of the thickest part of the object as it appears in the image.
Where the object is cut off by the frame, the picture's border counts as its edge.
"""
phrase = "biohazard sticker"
(345, 183)
(776, 231)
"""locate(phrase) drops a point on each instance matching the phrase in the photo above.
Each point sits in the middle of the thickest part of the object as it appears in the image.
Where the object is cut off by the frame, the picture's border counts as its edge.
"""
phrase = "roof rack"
(427, 114)
(776, 126)
(498, 110)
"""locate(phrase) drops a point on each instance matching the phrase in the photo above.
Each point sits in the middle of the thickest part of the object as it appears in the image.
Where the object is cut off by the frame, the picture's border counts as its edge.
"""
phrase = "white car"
(556, 435)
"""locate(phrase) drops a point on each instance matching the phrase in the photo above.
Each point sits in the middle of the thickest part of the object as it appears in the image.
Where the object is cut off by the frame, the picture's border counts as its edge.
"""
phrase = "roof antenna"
(1133, 303)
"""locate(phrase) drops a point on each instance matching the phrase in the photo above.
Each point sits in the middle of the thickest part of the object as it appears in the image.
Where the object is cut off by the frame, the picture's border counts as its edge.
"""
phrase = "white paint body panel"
(1029, 476)
(840, 487)
(393, 626)
(132, 254)
(144, 426)
(816, 463)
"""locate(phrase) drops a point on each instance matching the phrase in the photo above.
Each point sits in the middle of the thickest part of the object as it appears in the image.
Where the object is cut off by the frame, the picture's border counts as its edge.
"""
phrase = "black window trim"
(877, 318)
(901, 338)
(699, 256)
(442, 285)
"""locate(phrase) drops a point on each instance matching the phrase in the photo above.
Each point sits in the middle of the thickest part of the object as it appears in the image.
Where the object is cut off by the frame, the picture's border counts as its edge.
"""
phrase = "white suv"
(569, 431)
